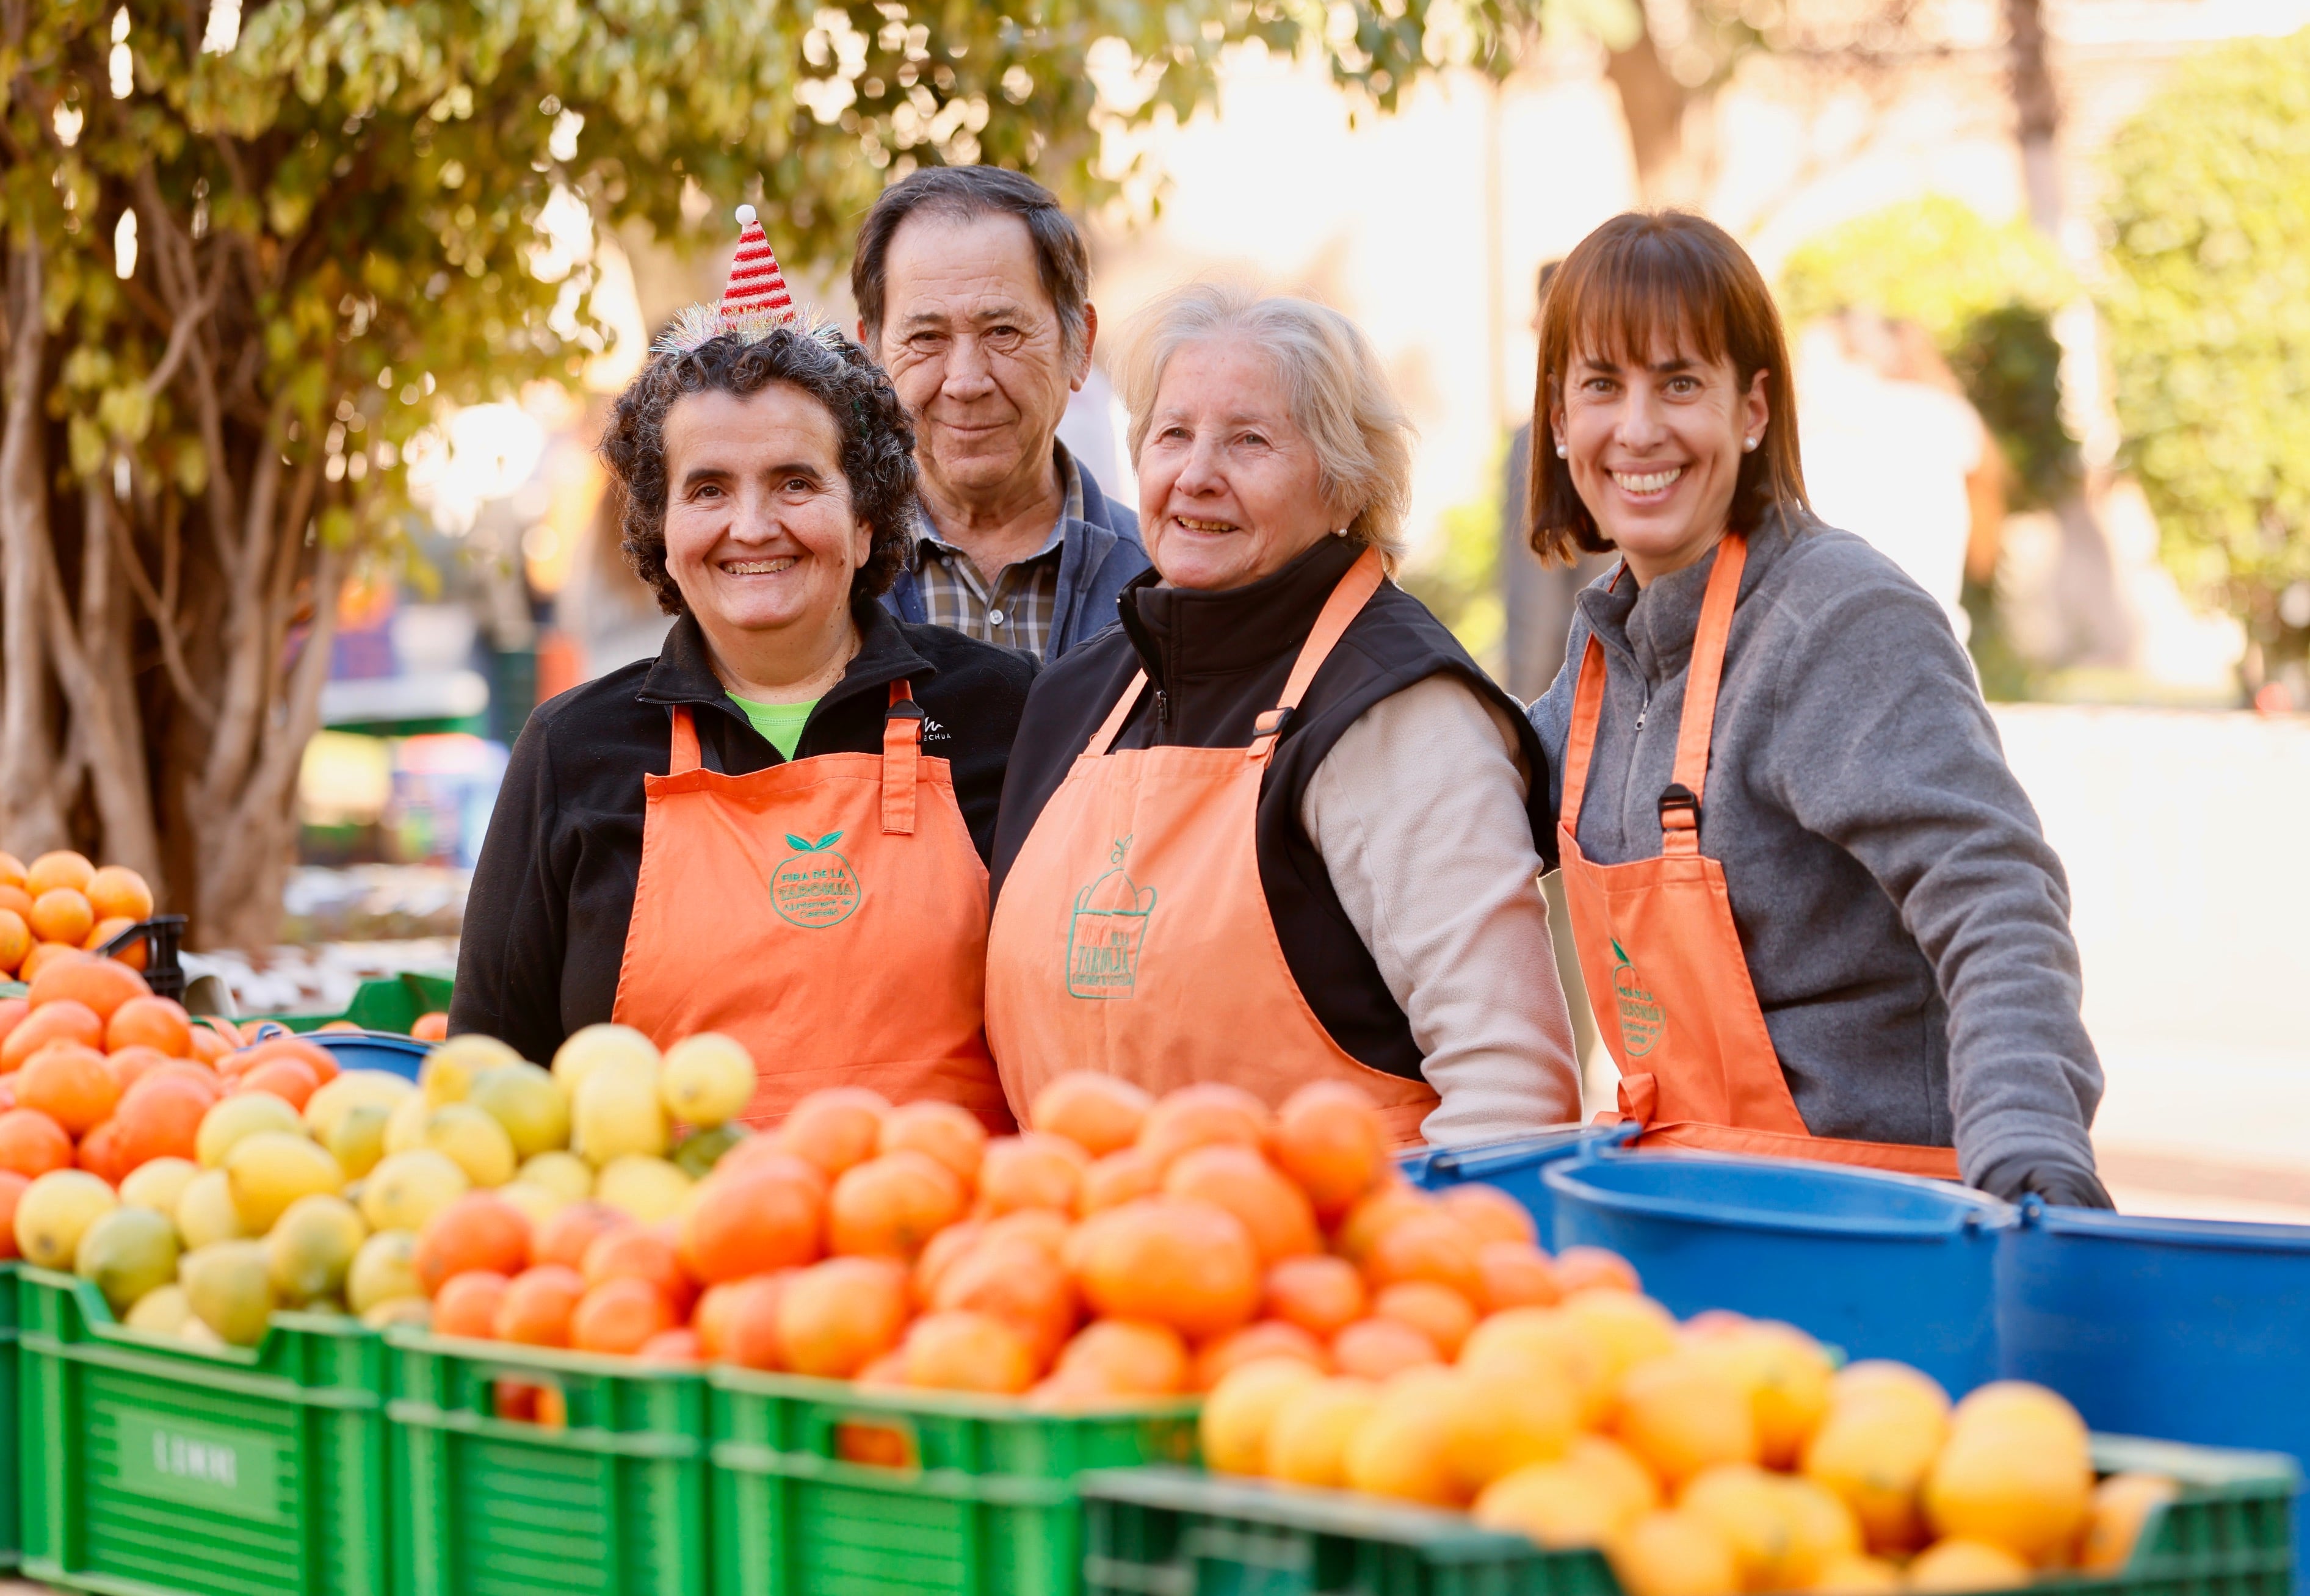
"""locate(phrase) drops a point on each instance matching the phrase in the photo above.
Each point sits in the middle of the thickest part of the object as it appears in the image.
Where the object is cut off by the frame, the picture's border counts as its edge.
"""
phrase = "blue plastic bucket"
(1513, 1166)
(2188, 1329)
(374, 1050)
(1881, 1265)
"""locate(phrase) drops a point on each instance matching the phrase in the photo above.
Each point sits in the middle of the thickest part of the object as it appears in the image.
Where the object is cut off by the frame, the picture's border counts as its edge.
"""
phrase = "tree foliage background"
(342, 217)
(2209, 316)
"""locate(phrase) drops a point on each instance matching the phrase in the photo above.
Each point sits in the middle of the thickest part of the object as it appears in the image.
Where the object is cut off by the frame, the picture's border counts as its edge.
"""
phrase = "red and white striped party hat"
(757, 286)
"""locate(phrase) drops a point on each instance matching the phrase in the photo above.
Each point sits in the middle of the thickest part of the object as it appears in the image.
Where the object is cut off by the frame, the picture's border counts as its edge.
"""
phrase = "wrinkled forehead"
(1636, 317)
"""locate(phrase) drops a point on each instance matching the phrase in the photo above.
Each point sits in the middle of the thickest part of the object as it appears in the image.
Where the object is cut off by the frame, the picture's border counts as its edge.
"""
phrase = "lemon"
(706, 1079)
(161, 1311)
(228, 1286)
(159, 1184)
(205, 1214)
(448, 1073)
(353, 1090)
(565, 1174)
(356, 1138)
(405, 1127)
(592, 1048)
(528, 1103)
(308, 1252)
(642, 1188)
(534, 1203)
(383, 1269)
(55, 1210)
(473, 1140)
(398, 1310)
(270, 1170)
(248, 1115)
(126, 1252)
(407, 1189)
(617, 1113)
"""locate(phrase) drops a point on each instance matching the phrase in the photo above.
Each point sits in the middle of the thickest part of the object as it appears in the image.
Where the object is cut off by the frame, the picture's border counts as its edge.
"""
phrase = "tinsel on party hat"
(754, 304)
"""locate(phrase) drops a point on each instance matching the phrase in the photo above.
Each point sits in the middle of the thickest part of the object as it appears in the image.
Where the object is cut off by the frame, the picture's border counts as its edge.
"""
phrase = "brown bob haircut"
(1643, 280)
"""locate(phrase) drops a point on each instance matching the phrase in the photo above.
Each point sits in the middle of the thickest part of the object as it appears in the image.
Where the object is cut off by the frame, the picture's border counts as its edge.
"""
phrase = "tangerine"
(1101, 1114)
(130, 957)
(572, 1228)
(62, 916)
(103, 1154)
(1438, 1311)
(16, 901)
(1321, 1295)
(1034, 1169)
(71, 1084)
(678, 1345)
(890, 1205)
(619, 1315)
(1263, 1338)
(1405, 1448)
(1426, 1247)
(834, 1127)
(1019, 1282)
(44, 954)
(1376, 1212)
(11, 870)
(64, 1021)
(116, 892)
(15, 939)
(1489, 1213)
(1116, 1179)
(837, 1316)
(1379, 1349)
(476, 1233)
(1277, 1214)
(1207, 1113)
(942, 1252)
(1500, 1423)
(1515, 1275)
(538, 1305)
(59, 867)
(959, 1351)
(210, 1045)
(1185, 1264)
(1241, 1409)
(430, 1027)
(1583, 1269)
(645, 1253)
(12, 1015)
(2122, 1505)
(32, 1144)
(711, 1317)
(750, 1221)
(290, 1079)
(946, 1131)
(1670, 1552)
(13, 1186)
(1308, 1443)
(748, 1328)
(467, 1303)
(1681, 1415)
(1329, 1138)
(160, 1117)
(1127, 1357)
(156, 1022)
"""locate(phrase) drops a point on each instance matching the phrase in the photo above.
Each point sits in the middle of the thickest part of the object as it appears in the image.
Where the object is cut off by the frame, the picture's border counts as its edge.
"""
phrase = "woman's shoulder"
(601, 709)
(1826, 572)
(962, 664)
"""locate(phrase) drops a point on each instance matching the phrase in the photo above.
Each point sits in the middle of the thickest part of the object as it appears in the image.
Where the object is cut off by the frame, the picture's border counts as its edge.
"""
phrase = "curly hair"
(878, 445)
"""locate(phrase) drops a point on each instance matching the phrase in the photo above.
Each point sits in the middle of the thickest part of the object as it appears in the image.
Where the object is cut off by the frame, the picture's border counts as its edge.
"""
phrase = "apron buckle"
(1678, 799)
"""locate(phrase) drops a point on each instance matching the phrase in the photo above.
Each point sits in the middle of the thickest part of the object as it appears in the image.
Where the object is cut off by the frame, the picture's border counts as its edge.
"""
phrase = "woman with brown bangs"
(1816, 913)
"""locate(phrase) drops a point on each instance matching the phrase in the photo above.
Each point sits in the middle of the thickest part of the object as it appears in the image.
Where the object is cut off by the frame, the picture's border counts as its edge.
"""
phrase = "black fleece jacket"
(545, 922)
(1216, 661)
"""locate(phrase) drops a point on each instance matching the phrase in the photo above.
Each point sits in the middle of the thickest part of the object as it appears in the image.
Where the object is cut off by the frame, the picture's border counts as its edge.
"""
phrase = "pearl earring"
(1748, 446)
(1562, 452)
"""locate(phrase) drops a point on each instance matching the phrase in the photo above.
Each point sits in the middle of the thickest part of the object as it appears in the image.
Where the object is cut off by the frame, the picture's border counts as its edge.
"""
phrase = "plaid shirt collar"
(1071, 508)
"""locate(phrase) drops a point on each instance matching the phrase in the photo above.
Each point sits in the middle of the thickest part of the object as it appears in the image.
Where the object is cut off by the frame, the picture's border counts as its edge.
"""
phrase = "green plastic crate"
(610, 1503)
(826, 1488)
(152, 1466)
(1180, 1532)
(12, 1543)
(389, 1004)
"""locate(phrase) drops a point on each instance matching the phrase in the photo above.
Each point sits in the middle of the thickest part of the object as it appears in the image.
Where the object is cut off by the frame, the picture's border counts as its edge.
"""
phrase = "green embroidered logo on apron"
(1643, 1021)
(1104, 931)
(815, 887)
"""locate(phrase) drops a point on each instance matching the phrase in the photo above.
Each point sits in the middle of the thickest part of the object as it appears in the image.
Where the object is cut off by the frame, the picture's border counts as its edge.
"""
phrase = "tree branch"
(172, 644)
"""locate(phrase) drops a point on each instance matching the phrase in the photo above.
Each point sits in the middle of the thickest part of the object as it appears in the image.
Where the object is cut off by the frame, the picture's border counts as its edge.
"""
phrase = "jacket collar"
(1652, 628)
(683, 672)
(1182, 632)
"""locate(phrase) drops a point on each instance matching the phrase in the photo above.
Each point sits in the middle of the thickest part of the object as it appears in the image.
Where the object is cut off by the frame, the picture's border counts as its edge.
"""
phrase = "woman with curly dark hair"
(777, 829)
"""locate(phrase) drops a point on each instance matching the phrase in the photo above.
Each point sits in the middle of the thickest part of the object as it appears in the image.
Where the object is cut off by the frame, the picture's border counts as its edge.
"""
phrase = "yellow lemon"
(125, 1253)
(1403, 1449)
(1241, 1409)
(407, 1189)
(1498, 1423)
(642, 1188)
(706, 1079)
(596, 1046)
(1957, 1564)
(229, 1285)
(528, 1103)
(161, 1311)
(249, 1114)
(1307, 1444)
(311, 1248)
(383, 1269)
(159, 1184)
(55, 1210)
(356, 1137)
(2121, 1504)
(618, 1113)
(205, 1214)
(270, 1170)
(473, 1140)
(354, 1088)
(448, 1073)
(565, 1174)
(1673, 1554)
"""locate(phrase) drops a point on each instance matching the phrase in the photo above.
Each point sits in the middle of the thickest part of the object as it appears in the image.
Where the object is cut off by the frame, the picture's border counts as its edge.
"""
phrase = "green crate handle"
(822, 1423)
(998, 1490)
(591, 1441)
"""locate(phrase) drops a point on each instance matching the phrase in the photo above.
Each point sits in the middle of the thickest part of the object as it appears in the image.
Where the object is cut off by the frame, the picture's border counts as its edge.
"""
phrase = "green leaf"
(828, 841)
(802, 844)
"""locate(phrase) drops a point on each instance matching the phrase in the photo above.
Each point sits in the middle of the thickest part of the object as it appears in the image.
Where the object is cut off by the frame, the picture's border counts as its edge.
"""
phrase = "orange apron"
(830, 913)
(1661, 957)
(1134, 936)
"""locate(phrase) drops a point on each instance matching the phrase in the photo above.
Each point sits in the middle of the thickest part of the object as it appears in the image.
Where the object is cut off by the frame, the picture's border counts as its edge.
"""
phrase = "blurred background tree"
(252, 259)
(2208, 308)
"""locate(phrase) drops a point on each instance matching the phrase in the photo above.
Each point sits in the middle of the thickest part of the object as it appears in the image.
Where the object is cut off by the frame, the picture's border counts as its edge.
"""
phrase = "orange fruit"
(946, 1131)
(538, 1305)
(1500, 1423)
(1322, 1295)
(571, 1229)
(645, 1253)
(1378, 1211)
(749, 1222)
(44, 954)
(1405, 1448)
(1857, 1573)
(1579, 1269)
(1264, 1338)
(747, 1329)
(433, 1027)
(309, 1054)
(62, 1021)
(1682, 1414)
(62, 867)
(1203, 1114)
(466, 1304)
(1101, 1114)
(1330, 1138)
(1876, 1379)
(1784, 1531)
(211, 1084)
(477, 1233)
(18, 901)
(890, 1205)
(711, 1317)
(1426, 1246)
(837, 1316)
(1241, 1409)
(834, 1128)
(104, 985)
(1032, 1170)
(210, 1045)
(1874, 1452)
(1786, 1374)
(2122, 1504)
(1673, 1554)
(11, 870)
(1544, 1343)
(1559, 1504)
(130, 1065)
(1490, 1213)
(1019, 1282)
(1188, 1265)
(942, 1252)
(1514, 1275)
(959, 1351)
(1379, 1349)
(1307, 1441)
(15, 939)
(1625, 1330)
(131, 957)
(119, 892)
(678, 1345)
(61, 915)
(12, 1015)
(103, 1154)
(1438, 1311)
(290, 1079)
(32, 1144)
(1116, 1179)
(160, 1117)
(1959, 1565)
(13, 1186)
(149, 1021)
(71, 1084)
(1046, 1228)
(619, 1315)
(1277, 1213)
(2015, 1472)
(1127, 1357)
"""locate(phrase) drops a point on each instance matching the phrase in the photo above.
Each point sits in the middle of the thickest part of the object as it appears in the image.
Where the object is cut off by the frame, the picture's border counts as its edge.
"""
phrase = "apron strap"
(902, 748)
(1347, 601)
(1110, 729)
(1679, 804)
(1587, 710)
(685, 743)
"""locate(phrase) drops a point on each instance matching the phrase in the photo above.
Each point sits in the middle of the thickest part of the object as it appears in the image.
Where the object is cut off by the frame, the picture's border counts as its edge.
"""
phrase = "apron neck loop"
(1347, 601)
(685, 743)
(902, 745)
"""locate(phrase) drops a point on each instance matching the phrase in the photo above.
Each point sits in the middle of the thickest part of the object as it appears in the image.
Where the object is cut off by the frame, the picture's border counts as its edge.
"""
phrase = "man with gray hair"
(973, 291)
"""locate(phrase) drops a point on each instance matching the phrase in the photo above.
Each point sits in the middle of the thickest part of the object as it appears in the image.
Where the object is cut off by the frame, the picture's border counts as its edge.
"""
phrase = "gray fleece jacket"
(1906, 924)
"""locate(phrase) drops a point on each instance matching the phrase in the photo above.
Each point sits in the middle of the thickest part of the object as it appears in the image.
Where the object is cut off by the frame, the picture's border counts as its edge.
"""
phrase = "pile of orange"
(1122, 1249)
(63, 903)
(1713, 1458)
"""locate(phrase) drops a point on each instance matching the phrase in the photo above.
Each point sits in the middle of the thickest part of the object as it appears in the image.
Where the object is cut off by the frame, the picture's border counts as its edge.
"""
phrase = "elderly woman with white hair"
(1277, 826)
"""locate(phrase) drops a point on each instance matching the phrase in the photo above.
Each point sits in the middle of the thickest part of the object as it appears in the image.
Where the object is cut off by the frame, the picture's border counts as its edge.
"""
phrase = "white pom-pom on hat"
(745, 214)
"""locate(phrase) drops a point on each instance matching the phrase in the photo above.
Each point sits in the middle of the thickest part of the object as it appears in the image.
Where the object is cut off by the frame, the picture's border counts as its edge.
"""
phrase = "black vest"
(1215, 661)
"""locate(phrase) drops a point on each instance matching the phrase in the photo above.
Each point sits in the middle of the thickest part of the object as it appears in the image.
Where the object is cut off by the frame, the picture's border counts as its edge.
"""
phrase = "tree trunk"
(2038, 114)
(31, 816)
(1651, 105)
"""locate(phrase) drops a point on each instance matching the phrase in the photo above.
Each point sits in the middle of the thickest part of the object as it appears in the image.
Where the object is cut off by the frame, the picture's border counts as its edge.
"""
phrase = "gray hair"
(1339, 397)
(965, 194)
